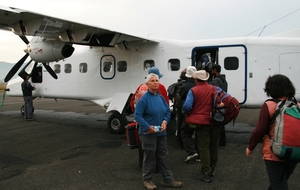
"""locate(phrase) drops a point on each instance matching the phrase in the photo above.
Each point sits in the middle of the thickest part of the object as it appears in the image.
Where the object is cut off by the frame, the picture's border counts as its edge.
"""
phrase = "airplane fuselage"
(97, 73)
(107, 76)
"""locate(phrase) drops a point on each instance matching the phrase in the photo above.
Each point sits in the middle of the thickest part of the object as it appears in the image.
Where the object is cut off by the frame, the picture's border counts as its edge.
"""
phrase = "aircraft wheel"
(116, 123)
(22, 110)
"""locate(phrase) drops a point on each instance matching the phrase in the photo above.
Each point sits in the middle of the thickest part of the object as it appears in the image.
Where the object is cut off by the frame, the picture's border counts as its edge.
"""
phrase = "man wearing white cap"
(198, 108)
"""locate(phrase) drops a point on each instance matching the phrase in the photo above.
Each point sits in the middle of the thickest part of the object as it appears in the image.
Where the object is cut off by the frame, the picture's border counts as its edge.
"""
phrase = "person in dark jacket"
(220, 81)
(177, 104)
(186, 131)
(27, 89)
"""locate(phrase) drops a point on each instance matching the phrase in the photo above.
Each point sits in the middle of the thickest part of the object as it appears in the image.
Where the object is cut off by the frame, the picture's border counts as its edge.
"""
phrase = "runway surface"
(68, 146)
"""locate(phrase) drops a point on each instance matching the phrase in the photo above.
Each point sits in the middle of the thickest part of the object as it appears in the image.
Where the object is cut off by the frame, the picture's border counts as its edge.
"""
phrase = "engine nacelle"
(41, 50)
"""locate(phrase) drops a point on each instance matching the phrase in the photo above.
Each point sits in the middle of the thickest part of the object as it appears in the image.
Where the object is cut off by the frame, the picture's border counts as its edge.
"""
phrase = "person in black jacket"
(220, 81)
(27, 89)
(177, 105)
(186, 131)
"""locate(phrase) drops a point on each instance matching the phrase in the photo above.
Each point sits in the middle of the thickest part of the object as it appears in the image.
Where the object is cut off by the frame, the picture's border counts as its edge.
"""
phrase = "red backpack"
(286, 144)
(226, 108)
(141, 90)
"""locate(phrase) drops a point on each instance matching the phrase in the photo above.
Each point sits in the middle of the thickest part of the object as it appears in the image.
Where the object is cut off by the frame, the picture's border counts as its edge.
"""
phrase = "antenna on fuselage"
(263, 28)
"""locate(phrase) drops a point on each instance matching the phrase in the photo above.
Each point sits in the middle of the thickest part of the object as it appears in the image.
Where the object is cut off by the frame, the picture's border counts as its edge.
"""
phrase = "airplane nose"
(26, 50)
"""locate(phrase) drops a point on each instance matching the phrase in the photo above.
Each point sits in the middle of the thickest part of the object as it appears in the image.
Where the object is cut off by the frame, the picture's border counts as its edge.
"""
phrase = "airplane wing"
(25, 23)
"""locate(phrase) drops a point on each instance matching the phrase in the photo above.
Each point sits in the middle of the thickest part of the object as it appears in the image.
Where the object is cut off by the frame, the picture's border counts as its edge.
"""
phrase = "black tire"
(22, 110)
(116, 123)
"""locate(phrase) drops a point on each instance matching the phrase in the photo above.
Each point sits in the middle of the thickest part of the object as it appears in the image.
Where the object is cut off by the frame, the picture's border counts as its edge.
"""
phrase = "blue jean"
(28, 107)
(279, 173)
(155, 156)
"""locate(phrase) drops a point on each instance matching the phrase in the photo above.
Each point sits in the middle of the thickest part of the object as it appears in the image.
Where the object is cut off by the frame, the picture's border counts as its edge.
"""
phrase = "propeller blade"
(15, 68)
(23, 73)
(25, 40)
(50, 71)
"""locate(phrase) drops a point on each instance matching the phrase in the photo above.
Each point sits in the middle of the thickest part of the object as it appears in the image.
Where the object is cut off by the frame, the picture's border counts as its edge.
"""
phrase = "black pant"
(279, 173)
(222, 136)
(188, 142)
(180, 118)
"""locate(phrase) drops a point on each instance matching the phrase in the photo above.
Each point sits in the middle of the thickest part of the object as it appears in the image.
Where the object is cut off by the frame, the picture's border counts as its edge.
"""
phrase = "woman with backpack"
(278, 87)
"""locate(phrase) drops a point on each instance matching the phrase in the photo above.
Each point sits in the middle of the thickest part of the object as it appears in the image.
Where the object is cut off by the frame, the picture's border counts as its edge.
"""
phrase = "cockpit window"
(68, 68)
(57, 68)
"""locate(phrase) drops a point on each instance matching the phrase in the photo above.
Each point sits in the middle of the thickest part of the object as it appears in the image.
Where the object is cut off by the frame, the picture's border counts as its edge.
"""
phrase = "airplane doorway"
(233, 61)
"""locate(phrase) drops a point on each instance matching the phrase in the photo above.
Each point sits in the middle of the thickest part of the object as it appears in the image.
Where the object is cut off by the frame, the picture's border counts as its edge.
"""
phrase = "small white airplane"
(107, 66)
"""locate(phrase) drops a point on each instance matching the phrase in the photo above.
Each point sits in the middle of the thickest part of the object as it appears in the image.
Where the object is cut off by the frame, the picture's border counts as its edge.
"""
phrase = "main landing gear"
(116, 123)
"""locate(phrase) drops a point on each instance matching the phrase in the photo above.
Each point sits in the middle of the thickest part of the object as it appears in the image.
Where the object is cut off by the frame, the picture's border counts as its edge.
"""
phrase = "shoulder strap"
(277, 110)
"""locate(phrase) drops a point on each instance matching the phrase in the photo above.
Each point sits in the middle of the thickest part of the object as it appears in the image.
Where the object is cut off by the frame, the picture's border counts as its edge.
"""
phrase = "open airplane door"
(288, 67)
(233, 61)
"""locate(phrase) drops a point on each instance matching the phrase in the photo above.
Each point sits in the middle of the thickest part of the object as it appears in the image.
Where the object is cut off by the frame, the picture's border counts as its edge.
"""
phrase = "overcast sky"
(175, 19)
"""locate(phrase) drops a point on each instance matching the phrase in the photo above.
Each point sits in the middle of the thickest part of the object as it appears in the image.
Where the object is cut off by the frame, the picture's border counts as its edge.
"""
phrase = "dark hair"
(217, 67)
(278, 86)
(182, 75)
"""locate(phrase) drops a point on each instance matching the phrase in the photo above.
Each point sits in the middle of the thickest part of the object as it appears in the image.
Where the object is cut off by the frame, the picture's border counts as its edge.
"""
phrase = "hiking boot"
(212, 173)
(190, 157)
(149, 185)
(204, 177)
(175, 184)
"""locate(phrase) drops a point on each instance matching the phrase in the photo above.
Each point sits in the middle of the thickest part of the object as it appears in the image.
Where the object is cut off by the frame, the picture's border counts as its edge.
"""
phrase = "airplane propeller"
(25, 40)
(17, 66)
(50, 70)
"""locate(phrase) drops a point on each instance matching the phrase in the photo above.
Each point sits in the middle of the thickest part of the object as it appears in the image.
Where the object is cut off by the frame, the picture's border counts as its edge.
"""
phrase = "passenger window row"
(107, 66)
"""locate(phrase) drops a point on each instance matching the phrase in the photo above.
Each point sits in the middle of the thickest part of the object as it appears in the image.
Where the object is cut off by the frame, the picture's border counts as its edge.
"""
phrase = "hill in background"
(4, 69)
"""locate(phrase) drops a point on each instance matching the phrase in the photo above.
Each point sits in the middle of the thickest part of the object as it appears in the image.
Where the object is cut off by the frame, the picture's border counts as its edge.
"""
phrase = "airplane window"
(82, 67)
(148, 64)
(174, 64)
(231, 63)
(122, 66)
(107, 66)
(68, 68)
(57, 68)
